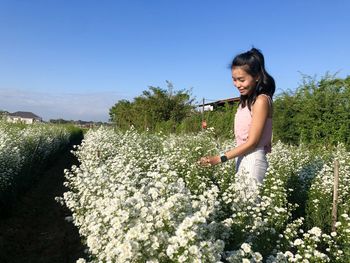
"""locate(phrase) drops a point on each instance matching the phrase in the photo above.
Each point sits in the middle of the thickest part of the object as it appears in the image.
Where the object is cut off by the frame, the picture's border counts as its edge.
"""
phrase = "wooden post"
(202, 114)
(335, 194)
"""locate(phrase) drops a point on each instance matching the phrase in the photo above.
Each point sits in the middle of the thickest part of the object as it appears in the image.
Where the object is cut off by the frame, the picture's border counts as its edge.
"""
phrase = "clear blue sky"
(75, 59)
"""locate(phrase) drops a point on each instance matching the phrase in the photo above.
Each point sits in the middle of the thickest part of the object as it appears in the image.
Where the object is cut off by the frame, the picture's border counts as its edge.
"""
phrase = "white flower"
(135, 199)
(246, 248)
(316, 231)
(193, 250)
(257, 256)
(337, 224)
(288, 254)
(170, 251)
(298, 242)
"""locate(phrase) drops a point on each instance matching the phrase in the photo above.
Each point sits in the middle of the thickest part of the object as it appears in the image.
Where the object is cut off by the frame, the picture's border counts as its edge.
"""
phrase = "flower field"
(143, 198)
(24, 150)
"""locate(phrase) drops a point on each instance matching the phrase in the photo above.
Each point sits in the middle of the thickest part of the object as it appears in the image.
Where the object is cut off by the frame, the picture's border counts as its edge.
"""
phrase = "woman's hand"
(207, 161)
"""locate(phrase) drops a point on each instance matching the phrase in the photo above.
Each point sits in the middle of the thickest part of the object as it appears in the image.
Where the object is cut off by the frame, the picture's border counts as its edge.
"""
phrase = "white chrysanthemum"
(316, 231)
(140, 197)
(298, 242)
(246, 248)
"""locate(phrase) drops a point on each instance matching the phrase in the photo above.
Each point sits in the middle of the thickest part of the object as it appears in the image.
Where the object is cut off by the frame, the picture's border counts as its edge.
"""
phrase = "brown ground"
(36, 231)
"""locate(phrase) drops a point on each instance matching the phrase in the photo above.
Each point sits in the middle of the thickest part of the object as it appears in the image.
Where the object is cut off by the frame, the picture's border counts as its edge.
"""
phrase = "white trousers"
(253, 164)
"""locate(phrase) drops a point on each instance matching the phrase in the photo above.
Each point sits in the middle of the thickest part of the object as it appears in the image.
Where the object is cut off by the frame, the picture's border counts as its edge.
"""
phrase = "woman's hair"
(253, 63)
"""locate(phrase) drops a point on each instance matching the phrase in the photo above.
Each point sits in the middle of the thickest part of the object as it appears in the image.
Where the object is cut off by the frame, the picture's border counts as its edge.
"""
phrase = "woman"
(253, 120)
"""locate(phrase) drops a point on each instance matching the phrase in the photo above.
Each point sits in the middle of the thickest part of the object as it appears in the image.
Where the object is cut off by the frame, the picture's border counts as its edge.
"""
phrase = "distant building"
(23, 117)
(210, 106)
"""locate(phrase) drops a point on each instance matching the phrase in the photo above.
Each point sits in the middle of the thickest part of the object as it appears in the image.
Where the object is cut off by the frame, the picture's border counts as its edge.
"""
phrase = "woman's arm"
(260, 112)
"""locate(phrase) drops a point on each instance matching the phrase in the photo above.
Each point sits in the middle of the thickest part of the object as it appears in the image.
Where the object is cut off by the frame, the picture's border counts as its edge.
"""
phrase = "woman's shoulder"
(263, 99)
(264, 96)
(263, 102)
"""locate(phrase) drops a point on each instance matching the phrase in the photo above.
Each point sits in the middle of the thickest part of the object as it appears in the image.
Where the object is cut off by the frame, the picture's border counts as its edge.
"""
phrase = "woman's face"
(244, 82)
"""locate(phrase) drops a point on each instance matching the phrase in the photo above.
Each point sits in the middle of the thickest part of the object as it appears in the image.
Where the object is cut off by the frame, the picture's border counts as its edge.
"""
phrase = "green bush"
(317, 113)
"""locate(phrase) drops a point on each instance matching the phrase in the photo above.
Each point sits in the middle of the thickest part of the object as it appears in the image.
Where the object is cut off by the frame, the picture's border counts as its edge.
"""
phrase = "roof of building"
(221, 102)
(24, 114)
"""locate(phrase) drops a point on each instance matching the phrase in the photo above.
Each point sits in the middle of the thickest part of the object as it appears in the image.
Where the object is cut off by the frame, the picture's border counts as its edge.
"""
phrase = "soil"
(36, 230)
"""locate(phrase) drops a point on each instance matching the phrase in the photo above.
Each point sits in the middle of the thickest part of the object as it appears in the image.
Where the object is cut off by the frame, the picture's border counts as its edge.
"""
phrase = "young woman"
(253, 120)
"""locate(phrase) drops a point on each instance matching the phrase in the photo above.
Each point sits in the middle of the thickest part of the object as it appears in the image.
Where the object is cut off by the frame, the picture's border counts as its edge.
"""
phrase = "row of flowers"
(144, 198)
(24, 150)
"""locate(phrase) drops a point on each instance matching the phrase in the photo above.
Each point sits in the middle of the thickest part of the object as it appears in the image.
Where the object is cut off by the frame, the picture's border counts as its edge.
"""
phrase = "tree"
(121, 114)
(3, 114)
(317, 112)
(153, 107)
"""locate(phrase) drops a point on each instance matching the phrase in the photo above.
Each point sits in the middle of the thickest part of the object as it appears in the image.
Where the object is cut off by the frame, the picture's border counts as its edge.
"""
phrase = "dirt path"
(36, 230)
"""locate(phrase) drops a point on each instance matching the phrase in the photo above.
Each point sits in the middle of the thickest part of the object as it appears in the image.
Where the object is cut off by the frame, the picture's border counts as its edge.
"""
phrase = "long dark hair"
(253, 63)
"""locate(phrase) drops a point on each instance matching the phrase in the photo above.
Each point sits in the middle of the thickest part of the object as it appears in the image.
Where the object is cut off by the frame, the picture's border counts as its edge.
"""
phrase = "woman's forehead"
(239, 72)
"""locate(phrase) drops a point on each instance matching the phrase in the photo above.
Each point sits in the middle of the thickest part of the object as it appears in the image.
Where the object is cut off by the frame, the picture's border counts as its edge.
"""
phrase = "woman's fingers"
(204, 161)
